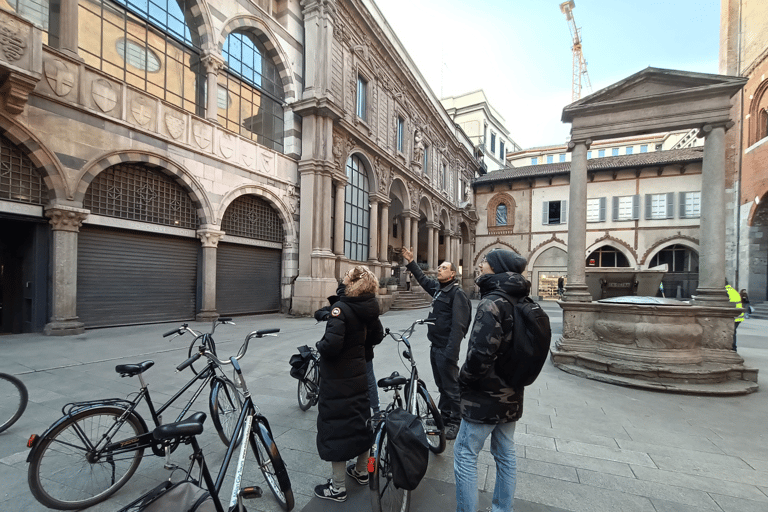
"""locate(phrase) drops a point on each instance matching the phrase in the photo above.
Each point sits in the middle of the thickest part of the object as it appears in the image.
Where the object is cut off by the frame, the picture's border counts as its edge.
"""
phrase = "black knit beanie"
(502, 260)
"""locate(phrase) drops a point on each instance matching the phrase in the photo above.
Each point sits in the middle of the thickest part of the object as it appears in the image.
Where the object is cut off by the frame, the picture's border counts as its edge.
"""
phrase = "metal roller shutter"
(247, 279)
(129, 277)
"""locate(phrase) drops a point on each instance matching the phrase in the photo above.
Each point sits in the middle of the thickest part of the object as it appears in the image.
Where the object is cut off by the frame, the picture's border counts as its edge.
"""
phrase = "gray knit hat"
(502, 260)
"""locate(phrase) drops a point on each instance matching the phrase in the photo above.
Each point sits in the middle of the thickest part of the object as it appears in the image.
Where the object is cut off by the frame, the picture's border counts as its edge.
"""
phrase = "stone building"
(744, 53)
(130, 194)
(642, 211)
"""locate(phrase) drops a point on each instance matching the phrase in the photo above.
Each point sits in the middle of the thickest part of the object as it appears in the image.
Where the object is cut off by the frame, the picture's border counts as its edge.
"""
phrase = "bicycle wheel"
(308, 387)
(226, 404)
(13, 400)
(271, 464)
(385, 497)
(66, 473)
(431, 420)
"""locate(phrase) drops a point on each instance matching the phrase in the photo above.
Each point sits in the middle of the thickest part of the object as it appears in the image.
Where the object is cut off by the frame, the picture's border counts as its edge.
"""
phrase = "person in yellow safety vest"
(735, 296)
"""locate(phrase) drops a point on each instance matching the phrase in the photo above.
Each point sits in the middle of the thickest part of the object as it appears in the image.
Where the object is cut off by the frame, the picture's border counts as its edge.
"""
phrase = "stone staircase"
(412, 299)
(761, 310)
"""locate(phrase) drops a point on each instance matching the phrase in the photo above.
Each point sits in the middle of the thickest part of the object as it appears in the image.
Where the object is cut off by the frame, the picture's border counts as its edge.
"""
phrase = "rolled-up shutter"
(247, 279)
(130, 277)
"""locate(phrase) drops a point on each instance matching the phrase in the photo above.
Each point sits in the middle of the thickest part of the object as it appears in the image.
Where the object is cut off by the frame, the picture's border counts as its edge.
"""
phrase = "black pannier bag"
(184, 496)
(408, 449)
(299, 362)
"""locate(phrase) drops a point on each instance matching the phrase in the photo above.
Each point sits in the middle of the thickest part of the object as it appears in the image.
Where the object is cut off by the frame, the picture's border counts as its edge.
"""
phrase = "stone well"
(650, 343)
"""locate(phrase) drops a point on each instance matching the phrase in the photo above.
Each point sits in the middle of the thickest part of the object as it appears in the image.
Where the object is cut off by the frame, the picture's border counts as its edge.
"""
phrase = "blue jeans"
(373, 389)
(466, 448)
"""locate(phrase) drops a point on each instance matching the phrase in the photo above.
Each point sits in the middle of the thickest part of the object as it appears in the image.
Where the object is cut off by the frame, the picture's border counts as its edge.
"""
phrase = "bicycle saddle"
(131, 370)
(191, 426)
(393, 380)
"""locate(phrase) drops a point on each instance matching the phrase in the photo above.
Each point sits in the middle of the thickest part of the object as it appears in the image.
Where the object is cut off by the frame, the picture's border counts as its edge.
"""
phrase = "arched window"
(254, 107)
(149, 45)
(19, 179)
(253, 217)
(501, 215)
(356, 211)
(678, 258)
(607, 256)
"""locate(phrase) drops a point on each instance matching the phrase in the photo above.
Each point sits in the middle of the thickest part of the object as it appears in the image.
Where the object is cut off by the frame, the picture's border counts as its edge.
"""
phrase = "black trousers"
(446, 373)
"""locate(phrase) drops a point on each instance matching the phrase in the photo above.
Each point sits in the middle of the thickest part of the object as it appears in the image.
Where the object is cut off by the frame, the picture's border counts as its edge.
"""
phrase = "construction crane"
(580, 75)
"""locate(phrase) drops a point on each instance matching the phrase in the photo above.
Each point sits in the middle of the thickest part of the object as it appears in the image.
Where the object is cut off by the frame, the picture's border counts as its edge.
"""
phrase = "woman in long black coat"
(343, 430)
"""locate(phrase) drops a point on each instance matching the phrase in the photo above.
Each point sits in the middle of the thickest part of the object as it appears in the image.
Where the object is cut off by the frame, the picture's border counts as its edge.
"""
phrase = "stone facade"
(75, 115)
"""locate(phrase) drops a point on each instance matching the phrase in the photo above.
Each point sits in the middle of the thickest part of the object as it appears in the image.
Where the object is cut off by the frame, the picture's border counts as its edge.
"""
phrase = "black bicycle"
(309, 382)
(13, 400)
(384, 495)
(95, 448)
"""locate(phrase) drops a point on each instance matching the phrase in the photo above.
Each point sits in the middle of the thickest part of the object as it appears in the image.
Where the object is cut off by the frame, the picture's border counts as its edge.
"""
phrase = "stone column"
(407, 231)
(65, 225)
(373, 230)
(415, 235)
(431, 246)
(210, 237)
(338, 228)
(213, 64)
(448, 242)
(436, 248)
(711, 289)
(384, 234)
(577, 291)
(68, 28)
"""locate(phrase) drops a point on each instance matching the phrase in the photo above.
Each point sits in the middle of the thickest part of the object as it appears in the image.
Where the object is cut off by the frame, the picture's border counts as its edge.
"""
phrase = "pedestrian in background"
(452, 310)
(734, 296)
(343, 430)
(745, 302)
(488, 405)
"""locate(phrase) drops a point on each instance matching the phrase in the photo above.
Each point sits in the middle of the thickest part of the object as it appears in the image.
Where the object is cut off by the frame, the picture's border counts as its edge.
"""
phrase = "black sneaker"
(329, 492)
(451, 431)
(361, 479)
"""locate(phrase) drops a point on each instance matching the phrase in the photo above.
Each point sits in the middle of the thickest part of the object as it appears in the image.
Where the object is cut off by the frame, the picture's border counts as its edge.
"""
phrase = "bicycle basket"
(184, 496)
(299, 362)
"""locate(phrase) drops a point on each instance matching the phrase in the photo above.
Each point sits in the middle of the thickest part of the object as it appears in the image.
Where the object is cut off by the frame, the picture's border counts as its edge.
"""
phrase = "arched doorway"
(607, 256)
(682, 275)
(546, 270)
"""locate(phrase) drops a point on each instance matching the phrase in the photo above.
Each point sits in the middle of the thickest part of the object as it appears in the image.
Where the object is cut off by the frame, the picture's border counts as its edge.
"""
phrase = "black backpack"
(520, 361)
(408, 449)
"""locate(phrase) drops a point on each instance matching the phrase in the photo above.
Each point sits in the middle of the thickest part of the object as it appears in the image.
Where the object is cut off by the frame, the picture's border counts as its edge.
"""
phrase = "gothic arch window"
(678, 258)
(607, 256)
(255, 93)
(356, 211)
(251, 216)
(501, 213)
(138, 192)
(19, 179)
(148, 45)
(758, 114)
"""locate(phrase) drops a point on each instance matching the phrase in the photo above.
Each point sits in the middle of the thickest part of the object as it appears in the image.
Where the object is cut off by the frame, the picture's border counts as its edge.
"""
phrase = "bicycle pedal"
(170, 467)
(250, 493)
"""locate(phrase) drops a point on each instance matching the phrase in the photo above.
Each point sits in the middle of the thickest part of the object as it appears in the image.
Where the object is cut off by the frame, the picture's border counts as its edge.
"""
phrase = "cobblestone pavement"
(582, 445)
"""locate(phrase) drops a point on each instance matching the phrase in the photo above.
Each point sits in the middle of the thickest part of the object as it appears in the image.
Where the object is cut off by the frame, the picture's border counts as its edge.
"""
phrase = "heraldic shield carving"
(175, 124)
(59, 77)
(141, 109)
(104, 96)
(202, 134)
(11, 42)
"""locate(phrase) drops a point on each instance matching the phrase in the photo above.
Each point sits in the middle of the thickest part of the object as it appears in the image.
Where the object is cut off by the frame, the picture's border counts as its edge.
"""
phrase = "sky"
(519, 51)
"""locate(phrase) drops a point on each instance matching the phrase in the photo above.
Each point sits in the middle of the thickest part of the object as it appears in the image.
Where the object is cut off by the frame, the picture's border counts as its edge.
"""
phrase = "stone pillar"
(373, 230)
(210, 238)
(711, 289)
(431, 247)
(576, 290)
(338, 228)
(415, 235)
(436, 248)
(65, 225)
(68, 28)
(213, 64)
(407, 231)
(384, 234)
(448, 240)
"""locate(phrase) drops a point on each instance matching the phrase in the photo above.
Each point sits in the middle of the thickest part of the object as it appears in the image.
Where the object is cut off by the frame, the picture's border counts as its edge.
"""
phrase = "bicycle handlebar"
(241, 352)
(188, 362)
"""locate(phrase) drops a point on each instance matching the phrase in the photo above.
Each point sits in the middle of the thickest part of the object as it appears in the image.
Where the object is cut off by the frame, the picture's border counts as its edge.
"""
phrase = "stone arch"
(425, 207)
(399, 189)
(659, 246)
(445, 220)
(43, 158)
(617, 244)
(484, 250)
(199, 16)
(267, 37)
(758, 116)
(182, 176)
(284, 211)
(555, 243)
(501, 198)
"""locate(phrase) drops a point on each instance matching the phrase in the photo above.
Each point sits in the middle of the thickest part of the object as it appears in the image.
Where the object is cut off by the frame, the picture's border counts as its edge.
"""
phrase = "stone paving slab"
(582, 445)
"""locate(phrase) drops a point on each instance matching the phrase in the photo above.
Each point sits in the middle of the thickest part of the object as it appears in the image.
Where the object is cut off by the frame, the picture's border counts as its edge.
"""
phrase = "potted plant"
(392, 284)
(382, 286)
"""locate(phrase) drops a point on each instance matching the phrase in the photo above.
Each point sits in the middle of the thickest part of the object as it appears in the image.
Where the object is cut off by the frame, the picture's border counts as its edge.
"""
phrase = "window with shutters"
(659, 206)
(596, 209)
(690, 205)
(554, 212)
(626, 208)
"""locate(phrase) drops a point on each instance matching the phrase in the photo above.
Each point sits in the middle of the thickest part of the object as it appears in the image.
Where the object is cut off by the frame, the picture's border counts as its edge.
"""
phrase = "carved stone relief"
(175, 123)
(202, 133)
(59, 76)
(12, 43)
(141, 108)
(103, 94)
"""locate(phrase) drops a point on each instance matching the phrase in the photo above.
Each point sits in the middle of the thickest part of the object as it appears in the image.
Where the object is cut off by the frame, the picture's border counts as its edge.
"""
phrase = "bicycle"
(96, 446)
(309, 385)
(384, 495)
(13, 400)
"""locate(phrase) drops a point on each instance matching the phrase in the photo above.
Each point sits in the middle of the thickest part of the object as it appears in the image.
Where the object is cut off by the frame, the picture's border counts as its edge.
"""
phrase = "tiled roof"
(652, 159)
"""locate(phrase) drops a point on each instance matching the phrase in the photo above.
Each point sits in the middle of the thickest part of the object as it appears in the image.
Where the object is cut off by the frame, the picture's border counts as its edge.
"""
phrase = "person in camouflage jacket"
(488, 405)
